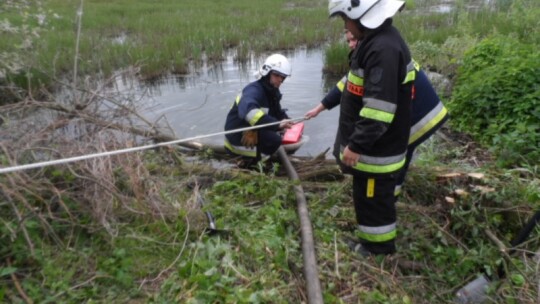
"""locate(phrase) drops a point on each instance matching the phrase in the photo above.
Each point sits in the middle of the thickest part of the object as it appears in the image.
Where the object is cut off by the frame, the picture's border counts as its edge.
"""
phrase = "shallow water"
(198, 104)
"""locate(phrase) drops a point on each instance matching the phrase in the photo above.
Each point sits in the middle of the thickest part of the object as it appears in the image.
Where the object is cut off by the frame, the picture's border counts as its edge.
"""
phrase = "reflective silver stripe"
(426, 119)
(411, 66)
(264, 110)
(379, 160)
(356, 77)
(411, 73)
(244, 151)
(378, 104)
(341, 84)
(416, 65)
(378, 229)
(428, 122)
(397, 190)
(358, 72)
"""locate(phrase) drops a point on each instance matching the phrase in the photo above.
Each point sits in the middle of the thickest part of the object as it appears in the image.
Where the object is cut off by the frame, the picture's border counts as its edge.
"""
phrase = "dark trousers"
(375, 206)
(269, 141)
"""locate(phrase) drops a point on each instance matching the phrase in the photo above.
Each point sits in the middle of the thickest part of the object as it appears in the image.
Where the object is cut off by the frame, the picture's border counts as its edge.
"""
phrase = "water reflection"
(198, 104)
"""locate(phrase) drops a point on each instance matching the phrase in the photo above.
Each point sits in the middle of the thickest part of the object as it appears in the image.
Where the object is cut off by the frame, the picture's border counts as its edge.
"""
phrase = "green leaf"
(4, 271)
(518, 279)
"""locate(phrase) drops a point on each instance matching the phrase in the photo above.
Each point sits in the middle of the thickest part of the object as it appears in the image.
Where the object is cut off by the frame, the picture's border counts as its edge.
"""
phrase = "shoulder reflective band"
(378, 110)
(237, 101)
(416, 65)
(411, 73)
(427, 122)
(341, 84)
(370, 192)
(355, 82)
(377, 234)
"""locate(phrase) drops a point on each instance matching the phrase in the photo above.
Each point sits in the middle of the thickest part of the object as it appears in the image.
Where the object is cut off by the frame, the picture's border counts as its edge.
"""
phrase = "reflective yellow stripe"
(411, 76)
(397, 190)
(378, 238)
(237, 100)
(355, 79)
(256, 117)
(377, 115)
(414, 137)
(411, 72)
(370, 192)
(416, 65)
(240, 151)
(340, 85)
(377, 168)
(378, 233)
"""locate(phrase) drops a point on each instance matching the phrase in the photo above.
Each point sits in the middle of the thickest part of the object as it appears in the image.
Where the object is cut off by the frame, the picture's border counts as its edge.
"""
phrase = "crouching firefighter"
(259, 104)
(375, 117)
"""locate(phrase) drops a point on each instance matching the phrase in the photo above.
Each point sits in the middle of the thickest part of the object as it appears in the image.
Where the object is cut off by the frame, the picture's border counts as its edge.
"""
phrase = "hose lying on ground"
(311, 275)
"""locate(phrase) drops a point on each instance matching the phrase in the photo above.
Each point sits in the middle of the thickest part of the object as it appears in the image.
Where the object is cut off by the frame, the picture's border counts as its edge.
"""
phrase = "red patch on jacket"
(355, 89)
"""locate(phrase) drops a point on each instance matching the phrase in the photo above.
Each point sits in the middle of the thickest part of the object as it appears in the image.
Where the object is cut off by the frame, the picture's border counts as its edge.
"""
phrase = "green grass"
(519, 19)
(165, 36)
(141, 258)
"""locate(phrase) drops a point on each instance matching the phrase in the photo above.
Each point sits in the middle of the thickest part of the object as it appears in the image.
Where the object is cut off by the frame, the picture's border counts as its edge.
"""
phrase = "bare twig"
(18, 286)
(22, 226)
(504, 250)
(336, 256)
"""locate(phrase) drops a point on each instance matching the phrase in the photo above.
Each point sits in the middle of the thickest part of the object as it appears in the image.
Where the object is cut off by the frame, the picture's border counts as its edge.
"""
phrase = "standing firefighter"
(375, 116)
(428, 112)
(259, 104)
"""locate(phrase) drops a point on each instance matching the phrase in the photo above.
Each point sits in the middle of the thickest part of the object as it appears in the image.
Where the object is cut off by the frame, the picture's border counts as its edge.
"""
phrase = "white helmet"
(371, 13)
(277, 63)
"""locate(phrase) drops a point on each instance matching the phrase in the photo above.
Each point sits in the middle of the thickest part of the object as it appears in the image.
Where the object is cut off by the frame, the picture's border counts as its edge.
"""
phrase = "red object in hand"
(293, 134)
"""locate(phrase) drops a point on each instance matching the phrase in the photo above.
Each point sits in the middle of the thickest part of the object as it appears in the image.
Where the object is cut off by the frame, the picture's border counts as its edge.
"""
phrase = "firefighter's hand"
(350, 158)
(315, 111)
(286, 124)
(249, 138)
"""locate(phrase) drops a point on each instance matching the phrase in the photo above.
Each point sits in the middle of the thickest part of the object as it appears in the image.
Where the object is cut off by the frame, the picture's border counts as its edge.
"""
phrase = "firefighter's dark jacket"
(428, 112)
(375, 107)
(258, 104)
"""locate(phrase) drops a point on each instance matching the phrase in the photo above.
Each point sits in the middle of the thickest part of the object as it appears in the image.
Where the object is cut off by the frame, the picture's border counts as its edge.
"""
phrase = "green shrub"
(335, 59)
(497, 98)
